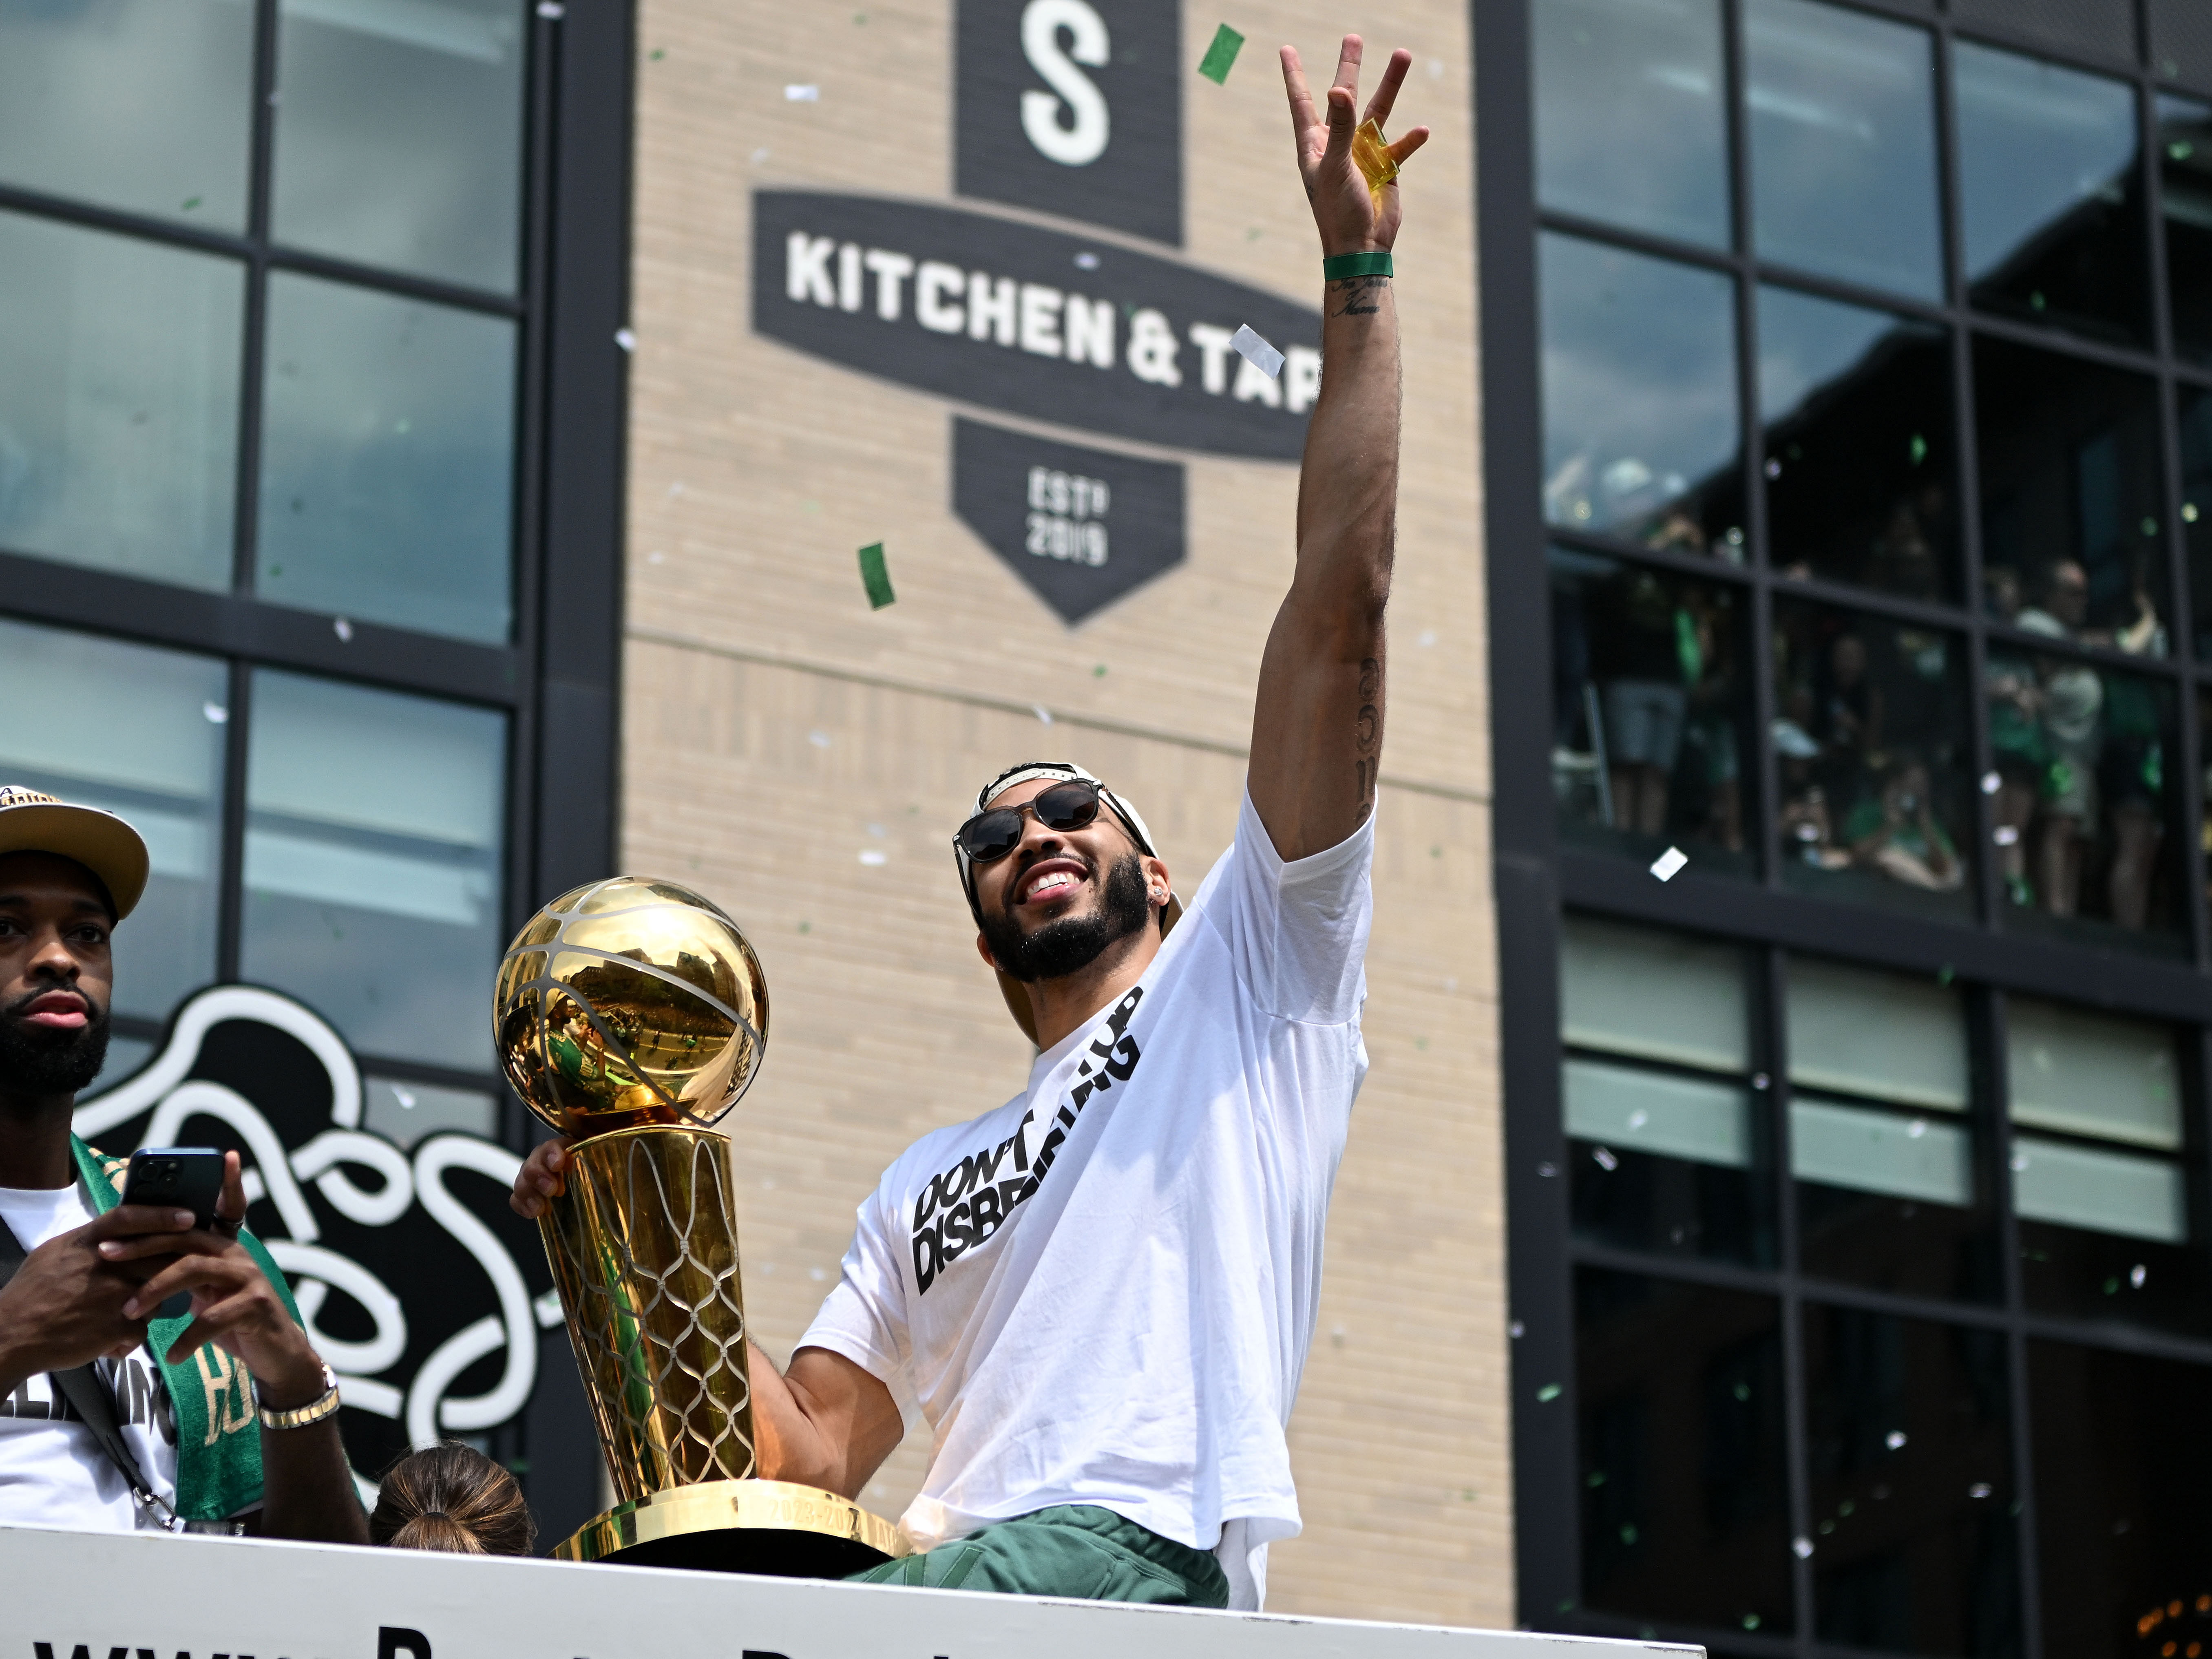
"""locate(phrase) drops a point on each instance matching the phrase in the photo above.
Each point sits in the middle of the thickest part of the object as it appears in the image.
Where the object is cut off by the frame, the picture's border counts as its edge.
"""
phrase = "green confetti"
(657, 53)
(1099, 673)
(874, 577)
(1220, 55)
(190, 201)
(1548, 1392)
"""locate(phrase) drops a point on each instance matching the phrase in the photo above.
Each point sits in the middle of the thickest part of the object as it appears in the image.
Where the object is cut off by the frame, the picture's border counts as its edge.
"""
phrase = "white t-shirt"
(53, 1471)
(1102, 1292)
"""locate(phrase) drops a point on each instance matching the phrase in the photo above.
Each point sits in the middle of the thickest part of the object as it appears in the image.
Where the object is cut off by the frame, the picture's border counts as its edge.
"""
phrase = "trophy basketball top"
(629, 1002)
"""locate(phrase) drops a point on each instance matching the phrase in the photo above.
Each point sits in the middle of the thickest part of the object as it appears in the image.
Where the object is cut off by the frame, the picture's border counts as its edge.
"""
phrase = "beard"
(1073, 943)
(36, 1064)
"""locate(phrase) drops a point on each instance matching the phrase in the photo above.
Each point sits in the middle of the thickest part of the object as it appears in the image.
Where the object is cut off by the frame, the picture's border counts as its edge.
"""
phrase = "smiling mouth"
(1058, 881)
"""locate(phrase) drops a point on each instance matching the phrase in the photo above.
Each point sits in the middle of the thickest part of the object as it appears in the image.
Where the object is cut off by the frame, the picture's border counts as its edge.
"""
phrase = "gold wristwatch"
(313, 1411)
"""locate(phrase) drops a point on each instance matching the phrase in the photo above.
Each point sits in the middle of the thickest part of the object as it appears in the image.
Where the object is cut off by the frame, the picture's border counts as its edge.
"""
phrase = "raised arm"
(1317, 723)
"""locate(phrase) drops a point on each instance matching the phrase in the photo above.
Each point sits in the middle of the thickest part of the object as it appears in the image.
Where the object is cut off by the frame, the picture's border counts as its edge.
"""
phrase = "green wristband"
(1338, 266)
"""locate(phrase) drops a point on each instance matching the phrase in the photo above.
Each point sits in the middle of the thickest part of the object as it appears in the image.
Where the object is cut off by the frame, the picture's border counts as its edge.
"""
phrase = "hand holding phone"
(176, 1178)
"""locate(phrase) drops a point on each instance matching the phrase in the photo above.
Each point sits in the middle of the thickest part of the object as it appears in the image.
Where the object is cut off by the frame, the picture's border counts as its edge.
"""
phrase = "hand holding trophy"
(630, 1015)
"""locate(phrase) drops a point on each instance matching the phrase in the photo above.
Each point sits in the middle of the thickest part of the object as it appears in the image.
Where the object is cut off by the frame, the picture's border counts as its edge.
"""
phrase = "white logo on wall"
(409, 1269)
(1082, 139)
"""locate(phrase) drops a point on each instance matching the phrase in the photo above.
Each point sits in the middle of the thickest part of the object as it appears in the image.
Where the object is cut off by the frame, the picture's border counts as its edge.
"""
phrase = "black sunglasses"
(995, 834)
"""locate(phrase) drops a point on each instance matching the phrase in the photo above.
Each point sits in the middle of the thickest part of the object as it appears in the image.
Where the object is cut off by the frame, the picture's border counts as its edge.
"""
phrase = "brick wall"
(776, 730)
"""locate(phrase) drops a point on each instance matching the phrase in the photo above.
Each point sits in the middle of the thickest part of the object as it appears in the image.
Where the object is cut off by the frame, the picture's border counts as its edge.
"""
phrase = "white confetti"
(343, 629)
(1605, 1159)
(1668, 863)
(1086, 260)
(760, 155)
(1803, 1548)
(625, 339)
(1979, 1489)
(1894, 1440)
(215, 713)
(1041, 712)
(1254, 349)
(809, 94)
(872, 856)
(2137, 1274)
(656, 558)
(552, 8)
(1991, 783)
(819, 739)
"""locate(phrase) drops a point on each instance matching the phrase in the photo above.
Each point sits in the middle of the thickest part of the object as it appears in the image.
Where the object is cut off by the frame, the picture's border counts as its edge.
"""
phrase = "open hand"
(1346, 216)
(234, 1305)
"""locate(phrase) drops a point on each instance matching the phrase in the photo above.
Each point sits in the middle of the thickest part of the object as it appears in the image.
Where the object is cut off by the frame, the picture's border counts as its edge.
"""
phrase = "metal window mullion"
(230, 864)
(1770, 1010)
(1988, 1029)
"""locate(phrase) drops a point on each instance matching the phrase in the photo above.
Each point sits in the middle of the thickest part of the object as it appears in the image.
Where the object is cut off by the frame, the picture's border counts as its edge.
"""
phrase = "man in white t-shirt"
(1100, 1295)
(113, 1417)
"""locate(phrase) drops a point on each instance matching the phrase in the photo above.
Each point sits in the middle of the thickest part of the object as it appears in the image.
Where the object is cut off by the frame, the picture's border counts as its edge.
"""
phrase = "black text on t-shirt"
(965, 1204)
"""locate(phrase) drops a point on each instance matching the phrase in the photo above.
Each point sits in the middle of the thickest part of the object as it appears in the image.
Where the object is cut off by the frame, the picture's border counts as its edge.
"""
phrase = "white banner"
(83, 1595)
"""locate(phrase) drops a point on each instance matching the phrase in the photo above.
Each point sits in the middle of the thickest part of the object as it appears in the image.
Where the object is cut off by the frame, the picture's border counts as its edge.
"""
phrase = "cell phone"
(180, 1178)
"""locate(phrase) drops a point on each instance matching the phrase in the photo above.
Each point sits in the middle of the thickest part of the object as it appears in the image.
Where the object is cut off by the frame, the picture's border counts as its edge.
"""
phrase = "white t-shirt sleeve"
(863, 1315)
(1297, 930)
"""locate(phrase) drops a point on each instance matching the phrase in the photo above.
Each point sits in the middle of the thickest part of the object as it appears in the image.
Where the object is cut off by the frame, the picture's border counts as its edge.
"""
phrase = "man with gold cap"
(1100, 1295)
(113, 1417)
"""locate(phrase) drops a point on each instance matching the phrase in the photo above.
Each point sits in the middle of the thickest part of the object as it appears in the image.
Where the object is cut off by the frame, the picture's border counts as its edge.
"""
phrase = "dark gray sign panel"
(1072, 108)
(1081, 526)
(1032, 322)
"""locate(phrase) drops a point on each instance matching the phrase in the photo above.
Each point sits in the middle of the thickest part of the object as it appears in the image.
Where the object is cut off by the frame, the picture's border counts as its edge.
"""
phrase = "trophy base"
(768, 1526)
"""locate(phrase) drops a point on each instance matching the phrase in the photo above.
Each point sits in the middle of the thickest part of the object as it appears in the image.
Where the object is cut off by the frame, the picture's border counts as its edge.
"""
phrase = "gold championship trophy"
(630, 1016)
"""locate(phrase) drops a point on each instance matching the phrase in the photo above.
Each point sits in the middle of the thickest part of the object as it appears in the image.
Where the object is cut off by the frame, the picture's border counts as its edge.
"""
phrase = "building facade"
(1848, 586)
(437, 440)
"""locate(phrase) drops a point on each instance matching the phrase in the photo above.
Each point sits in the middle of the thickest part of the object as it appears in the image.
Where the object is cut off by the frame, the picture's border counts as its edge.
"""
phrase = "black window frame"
(557, 678)
(1538, 880)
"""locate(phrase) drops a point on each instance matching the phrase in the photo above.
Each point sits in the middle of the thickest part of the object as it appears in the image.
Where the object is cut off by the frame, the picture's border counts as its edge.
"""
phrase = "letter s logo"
(1084, 140)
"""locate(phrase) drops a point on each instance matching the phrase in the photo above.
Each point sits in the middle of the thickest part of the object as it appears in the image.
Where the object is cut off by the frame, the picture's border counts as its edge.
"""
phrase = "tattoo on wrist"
(1360, 296)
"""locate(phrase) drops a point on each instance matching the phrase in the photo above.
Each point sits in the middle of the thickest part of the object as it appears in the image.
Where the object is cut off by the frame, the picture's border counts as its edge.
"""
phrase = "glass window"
(2104, 1203)
(399, 134)
(1921, 1060)
(1909, 1455)
(375, 828)
(1871, 743)
(2087, 840)
(138, 732)
(1642, 432)
(2051, 191)
(1652, 711)
(1630, 125)
(1680, 1410)
(118, 402)
(1842, 128)
(1671, 1160)
(387, 459)
(2181, 41)
(405, 1112)
(2071, 496)
(1860, 458)
(1653, 996)
(142, 105)
(2103, 27)
(1891, 1192)
(2185, 158)
(2123, 1450)
(2197, 507)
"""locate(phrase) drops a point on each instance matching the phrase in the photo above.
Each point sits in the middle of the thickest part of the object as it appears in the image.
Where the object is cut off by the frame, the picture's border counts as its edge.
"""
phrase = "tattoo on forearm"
(1362, 296)
(1367, 732)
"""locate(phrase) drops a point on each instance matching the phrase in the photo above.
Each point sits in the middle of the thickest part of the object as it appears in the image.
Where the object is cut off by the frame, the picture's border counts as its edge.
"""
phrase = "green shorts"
(1075, 1550)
